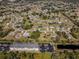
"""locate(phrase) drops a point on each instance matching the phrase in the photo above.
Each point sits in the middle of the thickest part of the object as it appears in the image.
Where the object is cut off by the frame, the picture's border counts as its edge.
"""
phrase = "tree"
(35, 34)
(27, 24)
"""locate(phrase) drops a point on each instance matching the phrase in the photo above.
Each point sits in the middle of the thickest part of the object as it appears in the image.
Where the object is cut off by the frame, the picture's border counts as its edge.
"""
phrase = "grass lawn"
(45, 55)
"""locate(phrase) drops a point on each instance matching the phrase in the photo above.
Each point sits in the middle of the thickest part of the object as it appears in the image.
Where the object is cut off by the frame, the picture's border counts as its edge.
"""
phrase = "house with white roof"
(28, 47)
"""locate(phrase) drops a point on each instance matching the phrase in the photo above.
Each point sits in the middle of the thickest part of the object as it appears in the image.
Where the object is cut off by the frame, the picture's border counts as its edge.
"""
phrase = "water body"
(69, 46)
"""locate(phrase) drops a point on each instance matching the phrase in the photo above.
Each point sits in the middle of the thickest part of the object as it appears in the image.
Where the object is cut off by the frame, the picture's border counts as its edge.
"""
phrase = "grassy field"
(45, 55)
(23, 55)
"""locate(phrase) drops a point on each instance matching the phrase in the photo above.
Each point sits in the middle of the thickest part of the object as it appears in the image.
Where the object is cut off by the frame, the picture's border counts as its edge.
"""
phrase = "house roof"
(23, 45)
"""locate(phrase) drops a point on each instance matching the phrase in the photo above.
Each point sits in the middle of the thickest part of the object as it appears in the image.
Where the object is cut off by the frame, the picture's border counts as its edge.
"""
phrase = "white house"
(28, 47)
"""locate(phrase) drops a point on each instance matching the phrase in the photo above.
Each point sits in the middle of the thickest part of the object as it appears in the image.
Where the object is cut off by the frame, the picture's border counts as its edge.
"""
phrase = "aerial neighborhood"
(35, 29)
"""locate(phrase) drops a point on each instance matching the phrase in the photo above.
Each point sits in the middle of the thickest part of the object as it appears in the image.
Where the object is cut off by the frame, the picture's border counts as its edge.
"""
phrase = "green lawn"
(45, 55)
